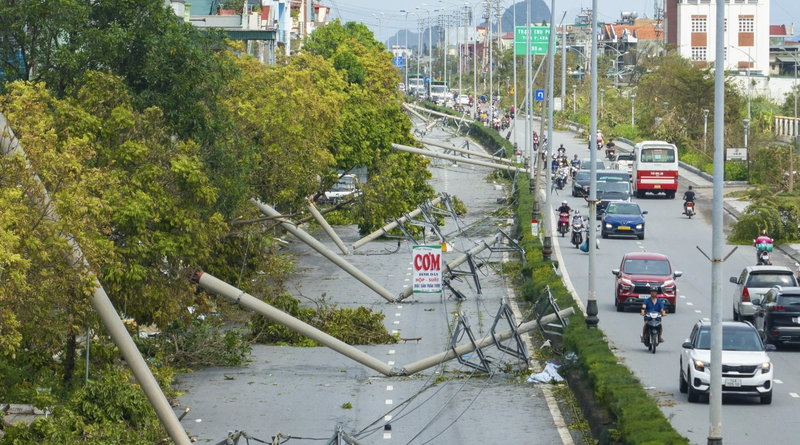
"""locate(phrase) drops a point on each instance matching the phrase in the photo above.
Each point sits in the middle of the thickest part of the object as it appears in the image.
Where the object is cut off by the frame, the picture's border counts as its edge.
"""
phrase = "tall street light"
(705, 127)
(633, 113)
(746, 123)
(380, 27)
(602, 95)
(794, 123)
(406, 44)
(458, 54)
(749, 84)
(430, 47)
(474, 62)
(574, 90)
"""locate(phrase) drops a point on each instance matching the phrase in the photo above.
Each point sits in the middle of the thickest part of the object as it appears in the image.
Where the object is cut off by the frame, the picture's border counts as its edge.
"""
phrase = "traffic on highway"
(759, 367)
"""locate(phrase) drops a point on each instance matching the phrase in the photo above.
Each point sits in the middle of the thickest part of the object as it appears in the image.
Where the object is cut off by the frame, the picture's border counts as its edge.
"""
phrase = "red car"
(637, 273)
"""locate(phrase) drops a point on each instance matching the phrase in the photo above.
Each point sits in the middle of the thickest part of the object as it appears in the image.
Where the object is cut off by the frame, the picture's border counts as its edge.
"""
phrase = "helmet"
(577, 213)
(562, 145)
(655, 289)
(564, 202)
(764, 232)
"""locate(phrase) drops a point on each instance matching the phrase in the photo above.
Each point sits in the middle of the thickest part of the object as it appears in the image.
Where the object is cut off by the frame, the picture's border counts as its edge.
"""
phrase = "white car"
(746, 367)
(347, 187)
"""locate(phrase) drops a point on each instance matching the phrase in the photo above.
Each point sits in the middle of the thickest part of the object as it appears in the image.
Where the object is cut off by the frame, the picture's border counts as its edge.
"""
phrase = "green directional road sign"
(540, 39)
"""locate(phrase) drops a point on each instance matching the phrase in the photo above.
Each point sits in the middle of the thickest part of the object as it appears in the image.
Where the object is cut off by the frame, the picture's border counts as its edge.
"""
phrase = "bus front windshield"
(658, 155)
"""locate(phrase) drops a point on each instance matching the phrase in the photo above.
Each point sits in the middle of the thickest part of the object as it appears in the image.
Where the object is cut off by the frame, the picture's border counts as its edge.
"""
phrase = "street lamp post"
(380, 27)
(746, 123)
(705, 127)
(574, 91)
(633, 113)
(406, 45)
(602, 95)
(430, 48)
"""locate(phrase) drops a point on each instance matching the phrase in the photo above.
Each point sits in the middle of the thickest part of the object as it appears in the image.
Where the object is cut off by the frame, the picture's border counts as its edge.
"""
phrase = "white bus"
(655, 168)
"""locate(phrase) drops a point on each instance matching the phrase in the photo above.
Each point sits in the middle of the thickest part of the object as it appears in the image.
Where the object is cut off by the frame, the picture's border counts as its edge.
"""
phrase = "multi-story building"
(691, 26)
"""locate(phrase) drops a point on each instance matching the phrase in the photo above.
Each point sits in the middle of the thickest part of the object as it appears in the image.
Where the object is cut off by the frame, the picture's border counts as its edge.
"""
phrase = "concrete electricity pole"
(551, 51)
(717, 237)
(591, 304)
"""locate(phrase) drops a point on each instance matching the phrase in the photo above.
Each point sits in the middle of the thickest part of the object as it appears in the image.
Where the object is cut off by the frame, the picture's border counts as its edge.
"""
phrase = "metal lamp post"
(430, 48)
(602, 95)
(380, 27)
(705, 127)
(406, 44)
(574, 91)
(633, 113)
(746, 123)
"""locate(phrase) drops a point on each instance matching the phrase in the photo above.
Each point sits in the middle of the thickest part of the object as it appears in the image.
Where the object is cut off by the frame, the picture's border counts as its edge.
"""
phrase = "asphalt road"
(668, 231)
(303, 392)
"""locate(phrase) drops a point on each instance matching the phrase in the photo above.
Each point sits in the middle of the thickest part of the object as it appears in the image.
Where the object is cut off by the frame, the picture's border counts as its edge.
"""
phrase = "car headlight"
(639, 226)
(608, 225)
(765, 367)
(700, 365)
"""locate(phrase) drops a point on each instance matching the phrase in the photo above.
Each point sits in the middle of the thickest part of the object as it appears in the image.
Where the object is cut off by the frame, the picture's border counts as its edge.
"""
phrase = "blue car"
(623, 218)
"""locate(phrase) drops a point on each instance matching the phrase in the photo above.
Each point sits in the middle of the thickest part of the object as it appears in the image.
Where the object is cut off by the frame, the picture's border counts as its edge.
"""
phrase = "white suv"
(746, 367)
(754, 282)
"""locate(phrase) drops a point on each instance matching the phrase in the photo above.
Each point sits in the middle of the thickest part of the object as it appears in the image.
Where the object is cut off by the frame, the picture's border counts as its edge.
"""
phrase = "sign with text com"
(427, 266)
(540, 40)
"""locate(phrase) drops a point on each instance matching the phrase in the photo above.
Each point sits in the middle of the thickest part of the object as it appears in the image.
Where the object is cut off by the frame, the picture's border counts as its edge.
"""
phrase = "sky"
(782, 12)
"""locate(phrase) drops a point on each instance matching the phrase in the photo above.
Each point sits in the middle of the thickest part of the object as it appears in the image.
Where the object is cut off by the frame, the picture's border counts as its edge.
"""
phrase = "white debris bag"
(549, 374)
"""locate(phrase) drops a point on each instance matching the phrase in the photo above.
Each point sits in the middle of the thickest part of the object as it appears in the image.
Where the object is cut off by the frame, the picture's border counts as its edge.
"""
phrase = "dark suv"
(777, 316)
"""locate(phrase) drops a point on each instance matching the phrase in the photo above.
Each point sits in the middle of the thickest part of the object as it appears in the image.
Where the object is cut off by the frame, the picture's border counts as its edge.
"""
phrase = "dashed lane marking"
(689, 304)
(388, 401)
(779, 382)
(794, 394)
(389, 387)
(698, 311)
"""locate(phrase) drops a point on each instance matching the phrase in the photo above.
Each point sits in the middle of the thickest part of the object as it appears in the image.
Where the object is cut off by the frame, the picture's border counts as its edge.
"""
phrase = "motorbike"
(573, 171)
(611, 154)
(763, 254)
(690, 209)
(577, 233)
(563, 223)
(652, 331)
(599, 145)
(561, 178)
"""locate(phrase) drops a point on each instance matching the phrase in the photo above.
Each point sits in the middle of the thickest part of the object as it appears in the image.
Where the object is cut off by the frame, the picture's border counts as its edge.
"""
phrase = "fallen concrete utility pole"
(328, 229)
(469, 152)
(237, 296)
(412, 111)
(484, 343)
(9, 145)
(390, 226)
(316, 245)
(436, 113)
(458, 159)
(458, 261)
(219, 287)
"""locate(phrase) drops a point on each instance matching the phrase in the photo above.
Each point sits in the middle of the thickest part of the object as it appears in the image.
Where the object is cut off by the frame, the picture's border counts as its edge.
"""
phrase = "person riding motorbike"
(762, 240)
(564, 207)
(611, 147)
(562, 150)
(554, 164)
(575, 162)
(653, 304)
(688, 197)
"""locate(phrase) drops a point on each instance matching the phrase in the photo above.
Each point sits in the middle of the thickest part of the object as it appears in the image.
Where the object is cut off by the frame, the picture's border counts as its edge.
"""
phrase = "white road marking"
(395, 322)
(395, 331)
(689, 304)
(698, 311)
(407, 279)
(387, 417)
(391, 352)
(681, 296)
(397, 314)
(777, 381)
(388, 401)
(389, 387)
(390, 363)
(400, 307)
(405, 285)
(794, 394)
(387, 435)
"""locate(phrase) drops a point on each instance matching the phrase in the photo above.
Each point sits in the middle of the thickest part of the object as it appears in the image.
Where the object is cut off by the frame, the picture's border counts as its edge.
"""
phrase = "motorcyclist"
(562, 150)
(535, 141)
(575, 162)
(762, 239)
(564, 207)
(554, 164)
(610, 146)
(599, 138)
(654, 304)
(688, 197)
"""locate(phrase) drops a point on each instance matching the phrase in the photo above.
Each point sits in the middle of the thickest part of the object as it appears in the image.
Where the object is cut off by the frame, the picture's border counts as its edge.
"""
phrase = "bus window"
(660, 155)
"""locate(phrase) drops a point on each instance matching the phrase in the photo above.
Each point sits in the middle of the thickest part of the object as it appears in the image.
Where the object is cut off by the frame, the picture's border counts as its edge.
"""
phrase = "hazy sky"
(781, 11)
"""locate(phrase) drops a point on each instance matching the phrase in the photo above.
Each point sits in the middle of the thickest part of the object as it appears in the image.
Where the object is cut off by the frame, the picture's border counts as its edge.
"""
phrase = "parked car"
(611, 191)
(777, 316)
(580, 185)
(753, 282)
(623, 218)
(637, 273)
(346, 187)
(746, 367)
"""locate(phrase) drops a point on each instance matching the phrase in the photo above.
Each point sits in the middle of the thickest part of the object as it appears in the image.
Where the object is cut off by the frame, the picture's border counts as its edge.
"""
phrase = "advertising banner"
(427, 267)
